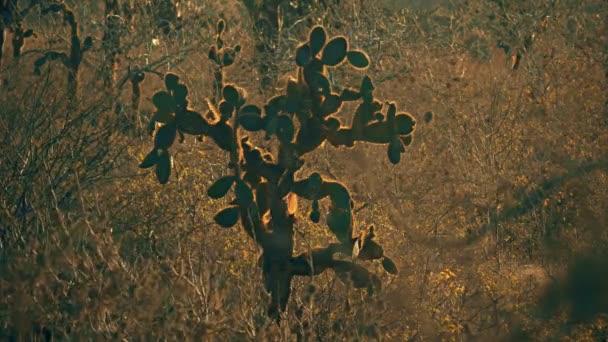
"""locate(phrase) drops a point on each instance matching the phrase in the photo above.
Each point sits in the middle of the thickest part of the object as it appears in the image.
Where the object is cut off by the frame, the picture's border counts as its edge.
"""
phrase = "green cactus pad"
(251, 109)
(180, 93)
(303, 55)
(228, 57)
(395, 148)
(285, 129)
(221, 26)
(367, 89)
(320, 84)
(164, 102)
(331, 104)
(343, 137)
(370, 251)
(227, 217)
(296, 98)
(309, 188)
(220, 187)
(161, 117)
(334, 51)
(191, 122)
(315, 216)
(221, 134)
(349, 94)
(226, 109)
(339, 222)
(87, 44)
(171, 81)
(270, 125)
(428, 117)
(338, 193)
(404, 124)
(231, 94)
(407, 140)
(165, 136)
(253, 156)
(244, 195)
(275, 105)
(251, 122)
(391, 112)
(312, 69)
(358, 59)
(389, 266)
(163, 166)
(310, 134)
(150, 160)
(317, 39)
(315, 180)
(333, 124)
(378, 133)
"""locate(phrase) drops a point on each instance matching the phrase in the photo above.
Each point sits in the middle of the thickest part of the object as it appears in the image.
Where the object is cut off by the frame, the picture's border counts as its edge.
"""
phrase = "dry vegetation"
(497, 215)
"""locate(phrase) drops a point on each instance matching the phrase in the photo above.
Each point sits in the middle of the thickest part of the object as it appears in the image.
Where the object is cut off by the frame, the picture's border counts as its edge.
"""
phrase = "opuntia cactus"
(264, 187)
(7, 8)
(19, 36)
(11, 18)
(222, 56)
(78, 47)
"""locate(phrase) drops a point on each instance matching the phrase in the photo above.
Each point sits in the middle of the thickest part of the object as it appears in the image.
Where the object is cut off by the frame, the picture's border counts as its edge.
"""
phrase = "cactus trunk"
(72, 80)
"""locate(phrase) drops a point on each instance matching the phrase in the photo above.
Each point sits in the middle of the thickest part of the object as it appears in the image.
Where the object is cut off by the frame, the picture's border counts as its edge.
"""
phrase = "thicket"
(496, 218)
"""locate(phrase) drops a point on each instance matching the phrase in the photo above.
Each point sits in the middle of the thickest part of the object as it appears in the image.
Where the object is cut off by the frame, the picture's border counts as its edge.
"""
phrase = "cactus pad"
(334, 51)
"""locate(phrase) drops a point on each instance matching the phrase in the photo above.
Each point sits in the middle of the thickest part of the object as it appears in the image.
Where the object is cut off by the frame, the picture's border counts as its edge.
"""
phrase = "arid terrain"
(495, 217)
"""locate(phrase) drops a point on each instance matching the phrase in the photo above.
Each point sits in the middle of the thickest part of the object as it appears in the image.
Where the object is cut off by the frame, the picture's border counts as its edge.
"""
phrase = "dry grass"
(501, 191)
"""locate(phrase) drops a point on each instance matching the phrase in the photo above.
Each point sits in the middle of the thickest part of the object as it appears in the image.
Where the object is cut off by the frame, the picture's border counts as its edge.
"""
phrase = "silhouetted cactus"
(264, 186)
(136, 77)
(19, 36)
(222, 56)
(78, 47)
(11, 18)
(7, 8)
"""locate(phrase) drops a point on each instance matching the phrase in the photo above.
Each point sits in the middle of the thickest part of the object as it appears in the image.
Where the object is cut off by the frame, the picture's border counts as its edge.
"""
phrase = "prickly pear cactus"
(264, 187)
(222, 57)
(77, 47)
(11, 18)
